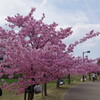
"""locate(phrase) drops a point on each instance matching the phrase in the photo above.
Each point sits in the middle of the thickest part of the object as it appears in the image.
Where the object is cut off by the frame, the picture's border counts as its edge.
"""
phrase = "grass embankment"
(53, 92)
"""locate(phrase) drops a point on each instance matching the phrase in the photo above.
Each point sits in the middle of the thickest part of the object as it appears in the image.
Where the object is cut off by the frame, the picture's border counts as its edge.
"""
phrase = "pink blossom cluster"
(88, 36)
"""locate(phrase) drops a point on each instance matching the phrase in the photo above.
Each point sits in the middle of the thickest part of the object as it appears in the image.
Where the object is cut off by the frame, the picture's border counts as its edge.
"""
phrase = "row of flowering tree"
(34, 52)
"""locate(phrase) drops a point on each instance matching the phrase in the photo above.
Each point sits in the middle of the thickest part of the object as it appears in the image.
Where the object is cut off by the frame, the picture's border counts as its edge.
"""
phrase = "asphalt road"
(84, 91)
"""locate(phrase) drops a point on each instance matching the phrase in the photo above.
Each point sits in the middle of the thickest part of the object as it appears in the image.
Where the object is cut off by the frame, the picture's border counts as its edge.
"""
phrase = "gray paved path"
(84, 91)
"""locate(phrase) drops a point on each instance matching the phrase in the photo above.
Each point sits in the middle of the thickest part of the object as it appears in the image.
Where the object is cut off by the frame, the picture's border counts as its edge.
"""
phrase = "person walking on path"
(93, 76)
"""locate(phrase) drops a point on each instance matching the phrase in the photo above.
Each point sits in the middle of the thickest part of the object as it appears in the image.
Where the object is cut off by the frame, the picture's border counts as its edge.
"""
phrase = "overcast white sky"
(82, 15)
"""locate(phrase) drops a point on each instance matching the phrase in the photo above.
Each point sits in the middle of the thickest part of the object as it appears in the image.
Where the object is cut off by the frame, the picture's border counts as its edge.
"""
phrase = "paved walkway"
(84, 91)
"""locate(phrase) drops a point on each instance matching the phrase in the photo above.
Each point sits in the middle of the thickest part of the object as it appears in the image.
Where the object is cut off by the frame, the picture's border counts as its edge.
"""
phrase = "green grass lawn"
(10, 96)
(53, 92)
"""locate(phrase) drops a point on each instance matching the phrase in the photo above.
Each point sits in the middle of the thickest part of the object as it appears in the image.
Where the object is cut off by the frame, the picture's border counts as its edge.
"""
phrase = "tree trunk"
(57, 84)
(44, 89)
(89, 76)
(69, 81)
(30, 95)
(30, 92)
(25, 95)
(83, 78)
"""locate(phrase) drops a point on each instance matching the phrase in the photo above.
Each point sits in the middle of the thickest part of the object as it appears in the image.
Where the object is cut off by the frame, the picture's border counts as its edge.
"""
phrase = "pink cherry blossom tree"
(32, 52)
